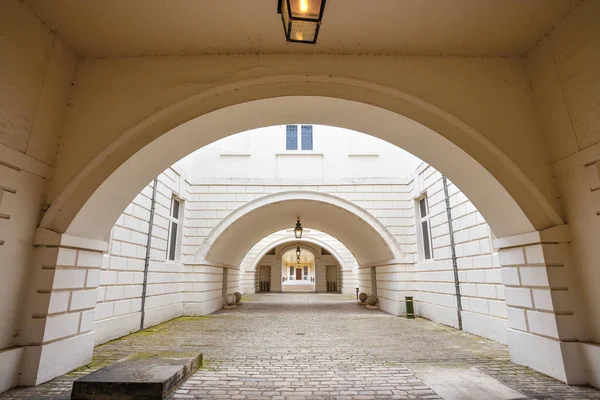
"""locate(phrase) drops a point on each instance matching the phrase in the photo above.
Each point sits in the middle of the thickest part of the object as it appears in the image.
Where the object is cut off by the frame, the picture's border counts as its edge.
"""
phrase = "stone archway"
(513, 202)
(364, 235)
(508, 198)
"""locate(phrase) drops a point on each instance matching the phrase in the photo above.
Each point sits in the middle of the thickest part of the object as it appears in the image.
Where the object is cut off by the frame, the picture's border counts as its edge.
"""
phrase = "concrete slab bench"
(139, 377)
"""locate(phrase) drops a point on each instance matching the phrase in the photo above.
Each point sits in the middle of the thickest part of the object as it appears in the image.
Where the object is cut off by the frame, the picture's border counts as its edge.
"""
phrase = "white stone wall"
(563, 71)
(174, 288)
(363, 277)
(261, 153)
(36, 72)
(203, 290)
(482, 292)
(211, 201)
(118, 311)
(393, 284)
(349, 281)
(21, 201)
(233, 281)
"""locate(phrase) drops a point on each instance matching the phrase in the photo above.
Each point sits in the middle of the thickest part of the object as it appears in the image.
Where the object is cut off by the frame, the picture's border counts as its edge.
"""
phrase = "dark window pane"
(175, 212)
(291, 137)
(291, 270)
(305, 270)
(423, 207)
(307, 137)
(173, 241)
(426, 246)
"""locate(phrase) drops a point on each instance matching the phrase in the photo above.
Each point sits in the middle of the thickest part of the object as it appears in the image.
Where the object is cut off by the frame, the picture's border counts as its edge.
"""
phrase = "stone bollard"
(230, 302)
(372, 303)
(363, 298)
(238, 297)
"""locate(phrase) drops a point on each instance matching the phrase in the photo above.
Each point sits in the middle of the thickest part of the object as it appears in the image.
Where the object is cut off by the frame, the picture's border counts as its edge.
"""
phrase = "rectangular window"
(305, 270)
(291, 137)
(173, 242)
(426, 247)
(307, 137)
(291, 272)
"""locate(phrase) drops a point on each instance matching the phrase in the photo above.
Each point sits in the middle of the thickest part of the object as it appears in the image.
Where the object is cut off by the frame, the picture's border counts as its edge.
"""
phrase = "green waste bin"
(410, 308)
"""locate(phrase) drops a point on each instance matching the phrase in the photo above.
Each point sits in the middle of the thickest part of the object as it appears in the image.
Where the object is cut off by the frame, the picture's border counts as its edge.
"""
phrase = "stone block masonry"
(536, 311)
(119, 296)
(210, 202)
(432, 281)
(541, 295)
(59, 313)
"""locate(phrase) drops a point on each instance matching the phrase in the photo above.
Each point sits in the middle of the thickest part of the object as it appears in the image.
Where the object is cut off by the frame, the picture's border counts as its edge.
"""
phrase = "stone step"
(141, 377)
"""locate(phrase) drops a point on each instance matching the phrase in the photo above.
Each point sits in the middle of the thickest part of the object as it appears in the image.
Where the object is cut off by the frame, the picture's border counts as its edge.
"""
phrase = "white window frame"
(178, 233)
(420, 219)
(299, 148)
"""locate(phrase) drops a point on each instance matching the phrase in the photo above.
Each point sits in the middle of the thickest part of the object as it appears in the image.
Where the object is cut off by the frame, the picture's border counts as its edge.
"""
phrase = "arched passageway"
(372, 246)
(229, 241)
(266, 252)
(511, 208)
(85, 130)
(298, 269)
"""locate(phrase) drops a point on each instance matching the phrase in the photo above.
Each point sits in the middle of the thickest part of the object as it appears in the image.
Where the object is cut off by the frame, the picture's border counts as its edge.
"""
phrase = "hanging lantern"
(298, 252)
(301, 19)
(298, 229)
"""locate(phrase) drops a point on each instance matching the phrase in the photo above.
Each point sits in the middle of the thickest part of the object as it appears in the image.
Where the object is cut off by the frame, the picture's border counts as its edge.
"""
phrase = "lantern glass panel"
(303, 31)
(305, 8)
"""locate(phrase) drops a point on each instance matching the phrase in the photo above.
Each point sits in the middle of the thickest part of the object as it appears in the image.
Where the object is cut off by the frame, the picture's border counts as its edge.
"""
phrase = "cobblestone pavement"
(313, 346)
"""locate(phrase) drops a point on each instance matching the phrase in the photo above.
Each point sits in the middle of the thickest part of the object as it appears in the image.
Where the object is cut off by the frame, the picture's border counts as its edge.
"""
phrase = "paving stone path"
(314, 346)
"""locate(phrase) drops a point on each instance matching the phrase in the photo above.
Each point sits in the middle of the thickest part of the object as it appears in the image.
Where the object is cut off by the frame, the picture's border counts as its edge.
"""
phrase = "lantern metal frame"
(291, 19)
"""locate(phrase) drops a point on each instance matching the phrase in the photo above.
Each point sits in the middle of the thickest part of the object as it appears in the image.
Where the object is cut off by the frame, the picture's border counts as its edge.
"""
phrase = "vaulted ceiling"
(109, 28)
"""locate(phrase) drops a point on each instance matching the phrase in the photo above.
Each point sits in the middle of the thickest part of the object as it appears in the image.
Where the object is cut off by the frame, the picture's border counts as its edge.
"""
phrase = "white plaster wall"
(212, 201)
(563, 69)
(203, 290)
(233, 281)
(261, 154)
(36, 71)
(118, 310)
(484, 84)
(482, 292)
(349, 281)
(393, 284)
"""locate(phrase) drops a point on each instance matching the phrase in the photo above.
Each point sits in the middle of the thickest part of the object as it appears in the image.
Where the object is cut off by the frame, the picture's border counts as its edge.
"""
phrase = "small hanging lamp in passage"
(298, 229)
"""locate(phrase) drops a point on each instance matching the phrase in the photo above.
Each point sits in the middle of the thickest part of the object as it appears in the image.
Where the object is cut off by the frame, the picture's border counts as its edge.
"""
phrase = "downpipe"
(453, 253)
(148, 247)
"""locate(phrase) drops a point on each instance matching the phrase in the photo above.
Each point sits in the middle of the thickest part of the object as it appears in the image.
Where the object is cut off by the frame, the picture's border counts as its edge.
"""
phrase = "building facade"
(413, 210)
(511, 117)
